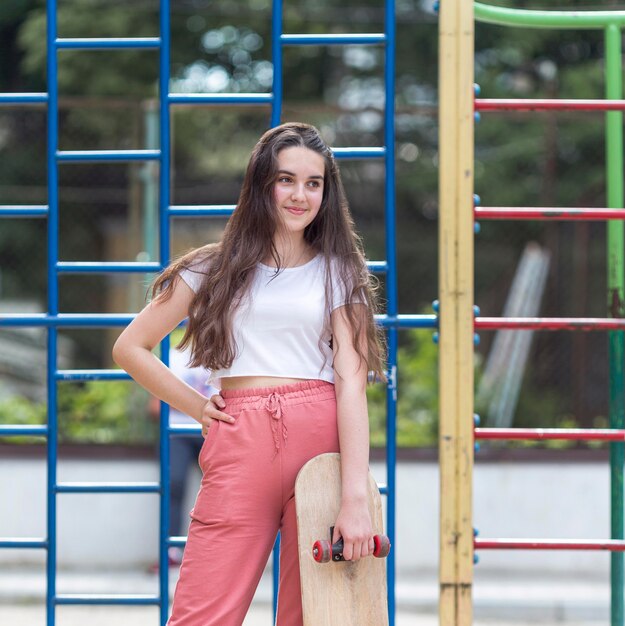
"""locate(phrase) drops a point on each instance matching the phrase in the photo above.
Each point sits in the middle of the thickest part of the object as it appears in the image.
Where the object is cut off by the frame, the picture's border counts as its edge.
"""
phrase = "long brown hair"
(248, 239)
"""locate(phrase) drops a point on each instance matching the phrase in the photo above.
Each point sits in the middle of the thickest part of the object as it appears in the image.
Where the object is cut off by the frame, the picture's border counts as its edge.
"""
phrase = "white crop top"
(277, 328)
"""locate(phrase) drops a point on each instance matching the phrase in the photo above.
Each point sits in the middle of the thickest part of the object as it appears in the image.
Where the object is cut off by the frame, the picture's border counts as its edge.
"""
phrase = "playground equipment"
(456, 319)
(457, 324)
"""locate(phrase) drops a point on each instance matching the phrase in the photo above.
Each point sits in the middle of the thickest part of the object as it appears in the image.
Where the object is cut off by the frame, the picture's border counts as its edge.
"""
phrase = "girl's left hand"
(212, 412)
(353, 524)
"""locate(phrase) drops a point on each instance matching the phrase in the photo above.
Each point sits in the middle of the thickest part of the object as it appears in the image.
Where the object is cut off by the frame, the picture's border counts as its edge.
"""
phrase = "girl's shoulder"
(332, 262)
(195, 265)
(345, 268)
(348, 279)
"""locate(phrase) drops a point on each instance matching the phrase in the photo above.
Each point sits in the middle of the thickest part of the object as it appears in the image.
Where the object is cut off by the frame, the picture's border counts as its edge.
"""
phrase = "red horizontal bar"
(565, 434)
(524, 104)
(549, 323)
(612, 545)
(547, 213)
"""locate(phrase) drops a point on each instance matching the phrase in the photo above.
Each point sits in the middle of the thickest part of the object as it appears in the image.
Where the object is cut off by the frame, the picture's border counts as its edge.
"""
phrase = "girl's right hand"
(211, 411)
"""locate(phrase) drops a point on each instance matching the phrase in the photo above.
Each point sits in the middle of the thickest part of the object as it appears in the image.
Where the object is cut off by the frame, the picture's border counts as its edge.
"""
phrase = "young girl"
(281, 312)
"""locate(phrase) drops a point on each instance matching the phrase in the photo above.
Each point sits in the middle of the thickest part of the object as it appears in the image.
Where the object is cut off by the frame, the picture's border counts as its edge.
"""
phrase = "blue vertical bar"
(276, 59)
(275, 576)
(164, 253)
(391, 290)
(53, 303)
(165, 137)
(276, 116)
(164, 530)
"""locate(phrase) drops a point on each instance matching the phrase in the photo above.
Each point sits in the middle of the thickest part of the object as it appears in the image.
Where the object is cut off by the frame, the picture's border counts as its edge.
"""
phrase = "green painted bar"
(547, 19)
(616, 295)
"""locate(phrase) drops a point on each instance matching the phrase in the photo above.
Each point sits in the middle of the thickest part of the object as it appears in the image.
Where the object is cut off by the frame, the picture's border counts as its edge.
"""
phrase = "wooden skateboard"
(336, 592)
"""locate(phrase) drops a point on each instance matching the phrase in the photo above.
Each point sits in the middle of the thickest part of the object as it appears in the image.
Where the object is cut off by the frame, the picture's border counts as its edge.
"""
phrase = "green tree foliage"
(111, 412)
(13, 14)
(417, 407)
(120, 74)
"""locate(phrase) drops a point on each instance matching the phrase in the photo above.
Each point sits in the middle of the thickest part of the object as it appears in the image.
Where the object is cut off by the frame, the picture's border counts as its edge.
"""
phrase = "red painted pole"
(516, 104)
(611, 545)
(549, 323)
(547, 213)
(563, 434)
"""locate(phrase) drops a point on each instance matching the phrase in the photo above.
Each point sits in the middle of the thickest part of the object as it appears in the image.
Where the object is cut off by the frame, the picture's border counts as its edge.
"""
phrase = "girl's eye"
(284, 179)
(313, 183)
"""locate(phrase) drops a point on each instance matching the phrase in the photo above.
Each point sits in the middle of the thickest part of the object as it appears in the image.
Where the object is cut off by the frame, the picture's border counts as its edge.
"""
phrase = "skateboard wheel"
(381, 546)
(322, 551)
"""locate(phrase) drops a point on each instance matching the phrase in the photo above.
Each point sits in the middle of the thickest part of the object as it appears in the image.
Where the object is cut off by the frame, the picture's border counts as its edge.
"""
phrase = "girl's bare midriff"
(250, 382)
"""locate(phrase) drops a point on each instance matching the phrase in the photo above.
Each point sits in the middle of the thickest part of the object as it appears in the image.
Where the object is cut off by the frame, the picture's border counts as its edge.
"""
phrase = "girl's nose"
(298, 192)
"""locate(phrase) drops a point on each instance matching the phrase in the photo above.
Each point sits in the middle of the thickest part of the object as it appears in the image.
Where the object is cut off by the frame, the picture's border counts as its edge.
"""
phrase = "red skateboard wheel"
(322, 551)
(381, 546)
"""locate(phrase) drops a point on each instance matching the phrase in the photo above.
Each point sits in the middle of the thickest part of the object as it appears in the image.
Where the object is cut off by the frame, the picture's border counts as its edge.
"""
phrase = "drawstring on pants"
(274, 406)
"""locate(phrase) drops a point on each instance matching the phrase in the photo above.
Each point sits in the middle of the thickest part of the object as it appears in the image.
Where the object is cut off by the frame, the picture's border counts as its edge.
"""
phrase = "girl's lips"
(295, 210)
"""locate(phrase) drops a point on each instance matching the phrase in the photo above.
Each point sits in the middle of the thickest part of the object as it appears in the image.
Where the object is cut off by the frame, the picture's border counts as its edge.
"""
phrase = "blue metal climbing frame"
(54, 319)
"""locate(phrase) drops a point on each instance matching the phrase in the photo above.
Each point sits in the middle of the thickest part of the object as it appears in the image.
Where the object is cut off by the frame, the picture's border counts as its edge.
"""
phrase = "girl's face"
(298, 189)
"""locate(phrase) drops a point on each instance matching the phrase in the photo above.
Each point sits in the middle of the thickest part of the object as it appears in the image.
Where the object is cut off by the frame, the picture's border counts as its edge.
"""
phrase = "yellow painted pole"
(456, 48)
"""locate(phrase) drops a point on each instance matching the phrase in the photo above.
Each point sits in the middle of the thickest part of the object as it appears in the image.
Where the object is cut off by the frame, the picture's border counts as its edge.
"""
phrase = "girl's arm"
(354, 520)
(133, 352)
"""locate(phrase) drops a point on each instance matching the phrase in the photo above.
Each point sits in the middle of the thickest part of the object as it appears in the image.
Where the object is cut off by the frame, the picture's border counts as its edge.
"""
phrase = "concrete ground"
(500, 599)
(258, 616)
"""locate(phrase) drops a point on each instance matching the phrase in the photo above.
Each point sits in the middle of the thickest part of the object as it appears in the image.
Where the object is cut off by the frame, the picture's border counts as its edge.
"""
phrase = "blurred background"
(108, 212)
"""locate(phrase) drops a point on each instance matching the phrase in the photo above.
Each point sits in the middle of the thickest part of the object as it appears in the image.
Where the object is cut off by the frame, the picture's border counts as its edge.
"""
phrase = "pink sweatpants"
(246, 496)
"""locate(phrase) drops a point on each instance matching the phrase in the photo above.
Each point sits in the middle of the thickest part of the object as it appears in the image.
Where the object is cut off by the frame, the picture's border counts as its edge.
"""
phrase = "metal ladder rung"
(201, 210)
(25, 210)
(377, 267)
(98, 267)
(359, 153)
(103, 374)
(23, 542)
(66, 320)
(105, 43)
(334, 40)
(23, 98)
(121, 487)
(181, 430)
(76, 156)
(220, 98)
(107, 598)
(177, 541)
(407, 321)
(23, 430)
